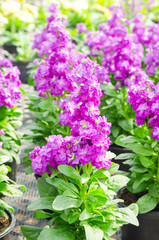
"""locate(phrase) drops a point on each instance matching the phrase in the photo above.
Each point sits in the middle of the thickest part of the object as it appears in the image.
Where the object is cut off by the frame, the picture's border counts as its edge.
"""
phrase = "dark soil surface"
(132, 198)
(4, 223)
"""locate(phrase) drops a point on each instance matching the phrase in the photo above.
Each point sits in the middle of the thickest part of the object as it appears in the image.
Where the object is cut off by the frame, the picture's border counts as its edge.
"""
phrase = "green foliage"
(81, 209)
(10, 141)
(144, 163)
(46, 123)
(7, 186)
(117, 111)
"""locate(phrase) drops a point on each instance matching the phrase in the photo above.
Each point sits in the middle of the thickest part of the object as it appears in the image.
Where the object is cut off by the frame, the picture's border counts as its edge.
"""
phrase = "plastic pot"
(148, 228)
(119, 150)
(13, 166)
(5, 234)
(23, 70)
(12, 49)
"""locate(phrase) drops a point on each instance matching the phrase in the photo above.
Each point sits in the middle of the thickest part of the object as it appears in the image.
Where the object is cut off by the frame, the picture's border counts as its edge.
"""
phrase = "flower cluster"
(55, 42)
(55, 72)
(88, 145)
(88, 141)
(150, 38)
(65, 70)
(144, 98)
(9, 83)
(121, 52)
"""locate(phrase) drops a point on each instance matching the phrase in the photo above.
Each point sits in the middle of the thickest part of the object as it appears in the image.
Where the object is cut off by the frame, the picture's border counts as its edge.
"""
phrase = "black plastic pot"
(155, 21)
(13, 166)
(23, 70)
(148, 228)
(5, 234)
(119, 150)
(12, 49)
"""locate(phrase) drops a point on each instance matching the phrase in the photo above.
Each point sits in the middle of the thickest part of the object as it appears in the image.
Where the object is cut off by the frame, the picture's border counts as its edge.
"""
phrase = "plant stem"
(158, 171)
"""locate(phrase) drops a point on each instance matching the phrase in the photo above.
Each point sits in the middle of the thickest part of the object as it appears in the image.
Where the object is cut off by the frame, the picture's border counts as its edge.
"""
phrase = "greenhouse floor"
(20, 203)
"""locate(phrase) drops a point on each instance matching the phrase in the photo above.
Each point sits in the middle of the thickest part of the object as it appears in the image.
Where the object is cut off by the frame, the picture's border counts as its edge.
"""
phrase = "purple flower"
(2, 132)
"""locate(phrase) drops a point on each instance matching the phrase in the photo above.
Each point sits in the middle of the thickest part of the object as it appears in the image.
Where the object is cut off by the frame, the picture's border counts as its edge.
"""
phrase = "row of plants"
(95, 84)
(9, 141)
(75, 96)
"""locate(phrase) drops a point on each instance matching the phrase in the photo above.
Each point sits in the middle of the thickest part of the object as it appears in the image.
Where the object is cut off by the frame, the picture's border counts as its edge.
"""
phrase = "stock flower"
(9, 83)
(64, 70)
(120, 50)
(2, 132)
(144, 98)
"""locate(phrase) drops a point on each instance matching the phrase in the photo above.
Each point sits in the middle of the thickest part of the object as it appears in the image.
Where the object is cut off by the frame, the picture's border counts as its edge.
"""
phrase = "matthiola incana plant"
(120, 54)
(56, 78)
(76, 169)
(81, 188)
(144, 159)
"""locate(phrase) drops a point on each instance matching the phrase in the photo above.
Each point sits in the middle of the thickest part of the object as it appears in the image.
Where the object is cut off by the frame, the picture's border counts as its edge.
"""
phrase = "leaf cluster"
(9, 122)
(117, 110)
(7, 186)
(144, 175)
(46, 121)
(81, 204)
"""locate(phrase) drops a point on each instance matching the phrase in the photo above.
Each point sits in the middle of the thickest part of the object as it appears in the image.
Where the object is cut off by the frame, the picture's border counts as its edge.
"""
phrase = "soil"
(4, 223)
(129, 197)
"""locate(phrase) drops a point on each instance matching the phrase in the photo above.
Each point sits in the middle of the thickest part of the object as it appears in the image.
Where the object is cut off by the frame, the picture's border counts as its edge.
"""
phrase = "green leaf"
(126, 124)
(47, 105)
(85, 178)
(146, 162)
(31, 233)
(84, 215)
(4, 205)
(110, 155)
(42, 215)
(4, 169)
(154, 190)
(15, 156)
(73, 217)
(69, 172)
(127, 215)
(123, 141)
(45, 189)
(41, 203)
(115, 132)
(140, 179)
(3, 159)
(62, 185)
(62, 202)
(93, 233)
(140, 149)
(117, 181)
(56, 234)
(146, 203)
(113, 168)
(100, 173)
(124, 156)
(109, 89)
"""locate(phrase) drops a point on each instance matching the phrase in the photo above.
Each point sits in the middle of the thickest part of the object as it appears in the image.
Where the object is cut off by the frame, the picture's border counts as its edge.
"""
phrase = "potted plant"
(83, 205)
(7, 188)
(144, 176)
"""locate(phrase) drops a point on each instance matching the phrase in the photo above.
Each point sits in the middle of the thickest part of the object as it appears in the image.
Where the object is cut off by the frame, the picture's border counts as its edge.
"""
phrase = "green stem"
(158, 171)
